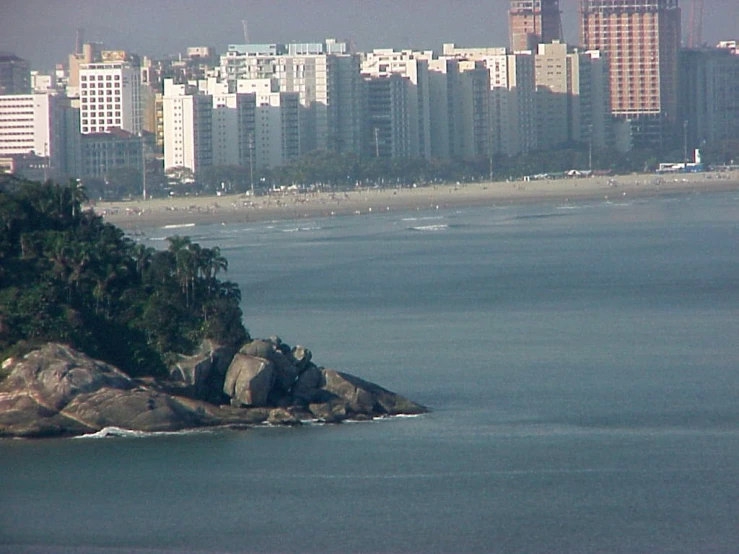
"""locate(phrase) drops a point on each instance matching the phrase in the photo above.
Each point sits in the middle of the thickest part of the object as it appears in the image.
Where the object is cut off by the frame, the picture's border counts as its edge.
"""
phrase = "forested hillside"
(67, 276)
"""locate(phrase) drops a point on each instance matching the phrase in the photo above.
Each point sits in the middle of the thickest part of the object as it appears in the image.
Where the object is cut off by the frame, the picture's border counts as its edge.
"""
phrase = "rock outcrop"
(249, 380)
(57, 391)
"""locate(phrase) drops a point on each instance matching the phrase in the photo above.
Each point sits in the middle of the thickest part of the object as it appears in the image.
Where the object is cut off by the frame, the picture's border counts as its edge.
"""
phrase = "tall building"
(459, 98)
(188, 127)
(110, 97)
(387, 114)
(708, 99)
(641, 39)
(326, 77)
(512, 102)
(88, 53)
(571, 100)
(414, 68)
(42, 125)
(15, 74)
(207, 125)
(233, 123)
(532, 22)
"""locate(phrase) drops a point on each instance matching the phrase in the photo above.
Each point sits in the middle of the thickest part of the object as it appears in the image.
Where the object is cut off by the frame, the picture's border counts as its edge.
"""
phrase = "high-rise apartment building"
(387, 114)
(641, 39)
(532, 22)
(414, 68)
(43, 125)
(15, 74)
(110, 97)
(512, 102)
(571, 100)
(459, 98)
(233, 122)
(188, 127)
(207, 125)
(325, 76)
(708, 98)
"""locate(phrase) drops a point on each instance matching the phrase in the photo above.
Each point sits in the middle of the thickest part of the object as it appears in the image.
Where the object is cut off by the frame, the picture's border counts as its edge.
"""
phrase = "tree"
(69, 276)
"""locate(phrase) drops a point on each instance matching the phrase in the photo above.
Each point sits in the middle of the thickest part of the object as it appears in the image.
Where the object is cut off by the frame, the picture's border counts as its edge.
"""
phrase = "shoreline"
(239, 208)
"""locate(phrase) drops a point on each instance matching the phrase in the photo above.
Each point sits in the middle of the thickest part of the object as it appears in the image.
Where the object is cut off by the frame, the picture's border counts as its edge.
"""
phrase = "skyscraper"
(110, 97)
(641, 39)
(15, 74)
(532, 22)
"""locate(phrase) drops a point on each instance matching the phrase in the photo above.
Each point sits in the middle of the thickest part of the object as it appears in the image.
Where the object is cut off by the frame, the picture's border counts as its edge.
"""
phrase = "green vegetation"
(67, 276)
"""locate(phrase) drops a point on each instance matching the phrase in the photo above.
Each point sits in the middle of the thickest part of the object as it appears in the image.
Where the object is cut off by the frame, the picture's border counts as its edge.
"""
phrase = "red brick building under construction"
(641, 39)
(532, 22)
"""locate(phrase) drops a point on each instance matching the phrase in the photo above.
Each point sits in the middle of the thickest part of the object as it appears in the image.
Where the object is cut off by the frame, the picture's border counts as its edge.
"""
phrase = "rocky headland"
(57, 391)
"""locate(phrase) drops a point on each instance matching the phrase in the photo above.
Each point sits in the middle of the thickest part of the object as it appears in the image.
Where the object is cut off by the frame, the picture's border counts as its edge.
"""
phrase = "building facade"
(326, 78)
(512, 103)
(641, 39)
(532, 22)
(414, 68)
(708, 99)
(572, 100)
(15, 74)
(103, 152)
(110, 97)
(187, 117)
(387, 128)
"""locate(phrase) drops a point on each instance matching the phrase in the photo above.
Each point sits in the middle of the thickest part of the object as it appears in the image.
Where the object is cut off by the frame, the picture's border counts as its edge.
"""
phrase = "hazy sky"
(43, 31)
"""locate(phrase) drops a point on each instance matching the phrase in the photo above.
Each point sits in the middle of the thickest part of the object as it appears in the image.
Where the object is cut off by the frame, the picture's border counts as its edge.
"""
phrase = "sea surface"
(581, 362)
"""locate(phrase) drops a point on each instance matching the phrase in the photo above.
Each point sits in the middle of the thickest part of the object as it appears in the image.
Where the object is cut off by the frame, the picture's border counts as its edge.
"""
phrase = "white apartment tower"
(109, 97)
(325, 77)
(512, 106)
(459, 98)
(274, 136)
(573, 103)
(414, 68)
(232, 123)
(187, 118)
(207, 125)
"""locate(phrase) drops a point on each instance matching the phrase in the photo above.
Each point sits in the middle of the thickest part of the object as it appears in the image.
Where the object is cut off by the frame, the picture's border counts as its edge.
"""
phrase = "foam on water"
(178, 225)
(118, 432)
(440, 227)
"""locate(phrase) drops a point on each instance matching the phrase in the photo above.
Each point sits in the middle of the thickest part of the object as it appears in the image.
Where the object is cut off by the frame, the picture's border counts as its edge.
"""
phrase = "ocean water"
(581, 362)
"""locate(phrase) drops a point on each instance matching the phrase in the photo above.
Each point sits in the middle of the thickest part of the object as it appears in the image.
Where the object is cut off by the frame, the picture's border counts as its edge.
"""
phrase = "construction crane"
(695, 25)
(245, 25)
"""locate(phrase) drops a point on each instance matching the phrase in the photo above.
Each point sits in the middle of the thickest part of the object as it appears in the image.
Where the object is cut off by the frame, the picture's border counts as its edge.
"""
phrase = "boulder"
(331, 411)
(204, 373)
(258, 348)
(308, 385)
(285, 372)
(249, 380)
(301, 357)
(56, 390)
(363, 397)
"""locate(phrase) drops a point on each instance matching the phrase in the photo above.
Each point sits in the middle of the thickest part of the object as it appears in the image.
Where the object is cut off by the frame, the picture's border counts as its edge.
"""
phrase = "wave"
(301, 229)
(440, 227)
(178, 225)
(426, 218)
(119, 432)
(539, 216)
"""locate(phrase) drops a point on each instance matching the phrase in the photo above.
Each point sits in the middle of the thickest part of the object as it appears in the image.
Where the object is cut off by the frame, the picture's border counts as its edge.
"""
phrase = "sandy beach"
(183, 211)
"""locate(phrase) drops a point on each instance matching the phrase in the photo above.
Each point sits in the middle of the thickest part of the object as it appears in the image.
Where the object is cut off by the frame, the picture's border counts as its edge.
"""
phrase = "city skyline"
(44, 33)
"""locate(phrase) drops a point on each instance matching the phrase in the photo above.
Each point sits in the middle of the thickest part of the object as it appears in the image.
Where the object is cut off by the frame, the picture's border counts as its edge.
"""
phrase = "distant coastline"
(182, 212)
